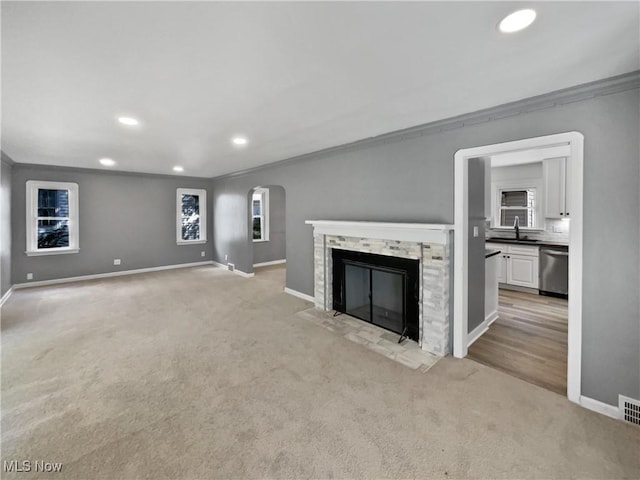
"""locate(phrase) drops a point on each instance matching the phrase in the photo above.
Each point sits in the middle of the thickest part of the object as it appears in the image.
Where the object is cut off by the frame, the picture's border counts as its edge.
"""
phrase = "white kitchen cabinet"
(522, 270)
(501, 262)
(491, 287)
(517, 265)
(556, 188)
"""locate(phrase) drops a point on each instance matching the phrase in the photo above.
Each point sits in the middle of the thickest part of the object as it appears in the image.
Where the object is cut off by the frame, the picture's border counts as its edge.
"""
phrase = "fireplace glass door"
(387, 294)
(378, 289)
(358, 291)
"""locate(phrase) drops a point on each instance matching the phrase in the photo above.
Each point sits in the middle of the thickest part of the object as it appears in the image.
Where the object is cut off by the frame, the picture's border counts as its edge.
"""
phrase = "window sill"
(40, 253)
(191, 242)
(260, 241)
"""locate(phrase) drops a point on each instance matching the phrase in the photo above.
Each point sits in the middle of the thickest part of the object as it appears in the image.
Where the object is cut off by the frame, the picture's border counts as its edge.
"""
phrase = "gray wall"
(5, 225)
(275, 248)
(411, 179)
(127, 216)
(476, 250)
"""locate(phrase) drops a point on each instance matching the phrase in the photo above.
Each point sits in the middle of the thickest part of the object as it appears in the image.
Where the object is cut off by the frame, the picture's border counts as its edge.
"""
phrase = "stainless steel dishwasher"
(554, 271)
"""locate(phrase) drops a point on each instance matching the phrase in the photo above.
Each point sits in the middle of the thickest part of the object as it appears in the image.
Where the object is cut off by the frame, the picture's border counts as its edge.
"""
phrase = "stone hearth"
(428, 243)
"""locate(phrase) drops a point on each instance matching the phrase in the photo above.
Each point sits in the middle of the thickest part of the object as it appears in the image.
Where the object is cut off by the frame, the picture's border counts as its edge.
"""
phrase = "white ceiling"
(293, 77)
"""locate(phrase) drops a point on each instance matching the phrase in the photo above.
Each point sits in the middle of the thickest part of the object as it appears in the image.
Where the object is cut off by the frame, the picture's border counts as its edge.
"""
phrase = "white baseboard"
(236, 271)
(600, 407)
(6, 296)
(82, 278)
(244, 274)
(273, 262)
(480, 329)
(298, 294)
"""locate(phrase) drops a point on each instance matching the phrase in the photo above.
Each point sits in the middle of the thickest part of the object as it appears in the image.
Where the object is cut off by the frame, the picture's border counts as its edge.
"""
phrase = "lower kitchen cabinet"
(518, 265)
(502, 265)
(522, 270)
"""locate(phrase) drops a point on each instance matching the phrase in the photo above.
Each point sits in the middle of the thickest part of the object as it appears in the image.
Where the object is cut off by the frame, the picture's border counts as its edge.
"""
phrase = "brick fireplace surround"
(430, 244)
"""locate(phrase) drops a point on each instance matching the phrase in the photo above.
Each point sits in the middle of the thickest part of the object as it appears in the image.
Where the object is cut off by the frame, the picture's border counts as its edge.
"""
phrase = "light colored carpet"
(199, 373)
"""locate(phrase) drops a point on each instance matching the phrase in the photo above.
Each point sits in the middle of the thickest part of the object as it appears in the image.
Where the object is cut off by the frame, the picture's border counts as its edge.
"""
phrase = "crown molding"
(6, 159)
(606, 86)
(100, 171)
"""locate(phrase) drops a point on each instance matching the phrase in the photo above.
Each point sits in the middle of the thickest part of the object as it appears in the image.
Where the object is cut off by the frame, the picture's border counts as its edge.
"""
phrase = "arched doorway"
(267, 227)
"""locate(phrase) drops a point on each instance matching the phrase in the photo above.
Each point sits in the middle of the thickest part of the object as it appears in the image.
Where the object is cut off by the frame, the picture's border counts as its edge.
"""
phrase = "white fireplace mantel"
(407, 232)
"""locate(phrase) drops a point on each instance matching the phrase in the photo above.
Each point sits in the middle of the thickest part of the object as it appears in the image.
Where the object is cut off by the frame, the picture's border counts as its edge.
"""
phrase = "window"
(191, 226)
(519, 203)
(52, 218)
(260, 214)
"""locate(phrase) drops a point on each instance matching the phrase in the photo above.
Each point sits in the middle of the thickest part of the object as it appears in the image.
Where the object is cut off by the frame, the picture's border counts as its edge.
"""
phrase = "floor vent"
(629, 409)
(231, 267)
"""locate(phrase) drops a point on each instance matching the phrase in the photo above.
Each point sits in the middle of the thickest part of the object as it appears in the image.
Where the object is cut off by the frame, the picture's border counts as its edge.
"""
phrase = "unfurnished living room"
(320, 240)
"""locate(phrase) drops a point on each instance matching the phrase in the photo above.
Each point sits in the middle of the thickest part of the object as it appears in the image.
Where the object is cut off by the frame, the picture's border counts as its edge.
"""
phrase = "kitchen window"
(519, 203)
(260, 214)
(191, 222)
(52, 218)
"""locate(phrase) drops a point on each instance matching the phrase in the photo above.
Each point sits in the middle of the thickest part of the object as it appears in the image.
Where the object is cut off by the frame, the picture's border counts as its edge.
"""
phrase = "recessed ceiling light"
(128, 121)
(517, 21)
(239, 141)
(178, 168)
(107, 162)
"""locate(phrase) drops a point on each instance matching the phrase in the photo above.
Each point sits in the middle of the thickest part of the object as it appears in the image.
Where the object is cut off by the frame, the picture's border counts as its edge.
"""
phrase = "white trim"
(190, 242)
(235, 270)
(575, 140)
(243, 274)
(273, 262)
(298, 294)
(407, 232)
(32, 187)
(481, 329)
(96, 276)
(600, 407)
(202, 212)
(52, 251)
(6, 296)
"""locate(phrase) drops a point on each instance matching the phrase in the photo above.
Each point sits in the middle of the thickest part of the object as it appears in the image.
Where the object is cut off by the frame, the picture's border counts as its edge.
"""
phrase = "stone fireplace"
(430, 244)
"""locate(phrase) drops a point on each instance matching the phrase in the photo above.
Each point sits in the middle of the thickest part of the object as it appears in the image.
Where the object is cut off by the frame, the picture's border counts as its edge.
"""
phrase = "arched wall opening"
(267, 225)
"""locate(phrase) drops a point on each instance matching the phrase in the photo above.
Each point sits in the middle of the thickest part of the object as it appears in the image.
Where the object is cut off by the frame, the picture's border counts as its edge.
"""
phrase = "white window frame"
(32, 188)
(263, 194)
(498, 187)
(202, 203)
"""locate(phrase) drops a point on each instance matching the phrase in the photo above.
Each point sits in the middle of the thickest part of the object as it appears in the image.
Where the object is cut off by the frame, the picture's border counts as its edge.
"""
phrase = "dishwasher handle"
(556, 252)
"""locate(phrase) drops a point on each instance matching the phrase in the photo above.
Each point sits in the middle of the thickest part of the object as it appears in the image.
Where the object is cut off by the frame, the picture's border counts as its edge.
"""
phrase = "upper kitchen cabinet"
(556, 186)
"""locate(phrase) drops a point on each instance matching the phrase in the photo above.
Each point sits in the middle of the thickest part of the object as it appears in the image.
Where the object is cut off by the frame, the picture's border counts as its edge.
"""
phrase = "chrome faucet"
(516, 225)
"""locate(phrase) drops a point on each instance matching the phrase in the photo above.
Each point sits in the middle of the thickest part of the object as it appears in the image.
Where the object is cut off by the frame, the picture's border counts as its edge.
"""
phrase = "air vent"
(231, 267)
(629, 409)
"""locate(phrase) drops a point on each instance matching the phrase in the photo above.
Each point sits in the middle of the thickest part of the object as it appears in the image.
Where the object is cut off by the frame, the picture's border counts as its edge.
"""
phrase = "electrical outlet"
(202, 254)
(226, 257)
(116, 261)
(29, 276)
(475, 231)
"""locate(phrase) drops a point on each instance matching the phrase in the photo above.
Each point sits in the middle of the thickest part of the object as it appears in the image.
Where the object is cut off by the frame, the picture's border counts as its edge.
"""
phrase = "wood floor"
(528, 341)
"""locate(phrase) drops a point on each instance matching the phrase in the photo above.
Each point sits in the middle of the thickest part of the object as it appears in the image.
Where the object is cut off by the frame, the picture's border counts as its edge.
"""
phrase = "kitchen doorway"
(464, 225)
(527, 221)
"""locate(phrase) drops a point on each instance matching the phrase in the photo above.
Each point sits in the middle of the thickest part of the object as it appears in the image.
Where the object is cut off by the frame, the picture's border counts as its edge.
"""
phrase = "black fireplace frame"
(408, 268)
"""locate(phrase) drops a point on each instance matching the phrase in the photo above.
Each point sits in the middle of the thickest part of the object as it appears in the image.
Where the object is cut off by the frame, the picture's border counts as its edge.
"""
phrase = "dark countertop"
(490, 252)
(539, 243)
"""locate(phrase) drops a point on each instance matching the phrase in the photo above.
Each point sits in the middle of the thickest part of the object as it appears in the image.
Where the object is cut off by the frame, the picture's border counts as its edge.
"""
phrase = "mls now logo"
(29, 466)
